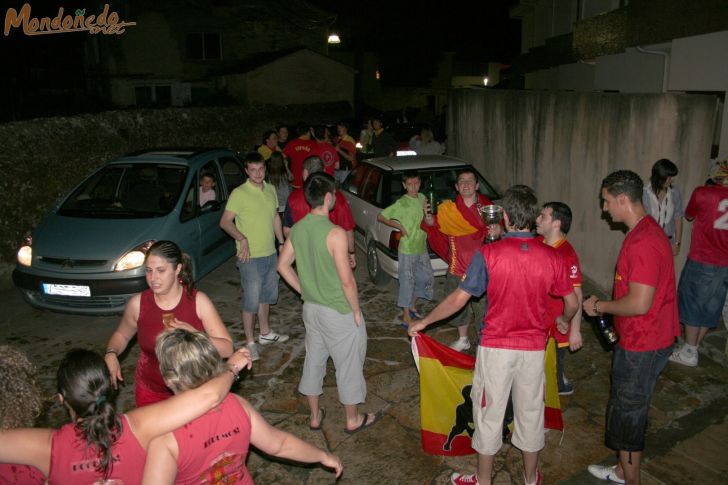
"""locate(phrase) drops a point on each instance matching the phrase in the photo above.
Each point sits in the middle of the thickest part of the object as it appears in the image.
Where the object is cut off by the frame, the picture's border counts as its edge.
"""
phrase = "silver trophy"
(492, 215)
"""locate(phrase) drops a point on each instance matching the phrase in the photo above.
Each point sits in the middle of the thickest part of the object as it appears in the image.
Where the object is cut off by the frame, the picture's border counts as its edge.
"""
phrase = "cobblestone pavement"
(688, 429)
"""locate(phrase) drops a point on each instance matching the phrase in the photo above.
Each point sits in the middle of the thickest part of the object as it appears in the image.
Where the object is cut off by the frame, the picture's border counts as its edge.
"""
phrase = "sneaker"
(539, 479)
(680, 356)
(605, 473)
(254, 355)
(461, 344)
(567, 389)
(462, 479)
(271, 338)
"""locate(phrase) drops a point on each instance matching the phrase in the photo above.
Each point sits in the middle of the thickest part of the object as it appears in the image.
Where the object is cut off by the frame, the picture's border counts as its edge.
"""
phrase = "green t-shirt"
(255, 210)
(409, 211)
(320, 282)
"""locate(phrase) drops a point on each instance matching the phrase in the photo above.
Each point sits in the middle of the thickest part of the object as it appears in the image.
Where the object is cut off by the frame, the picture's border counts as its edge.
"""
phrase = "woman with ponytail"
(170, 302)
(98, 444)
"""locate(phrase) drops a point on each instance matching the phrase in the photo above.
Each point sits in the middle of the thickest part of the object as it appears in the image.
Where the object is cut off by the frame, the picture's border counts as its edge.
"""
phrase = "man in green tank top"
(331, 314)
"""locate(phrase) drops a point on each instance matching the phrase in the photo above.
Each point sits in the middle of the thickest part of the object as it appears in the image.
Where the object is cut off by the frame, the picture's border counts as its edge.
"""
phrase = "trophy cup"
(492, 215)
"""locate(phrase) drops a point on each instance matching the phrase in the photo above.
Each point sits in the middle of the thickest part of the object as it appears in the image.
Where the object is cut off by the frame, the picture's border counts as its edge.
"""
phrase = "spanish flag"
(446, 410)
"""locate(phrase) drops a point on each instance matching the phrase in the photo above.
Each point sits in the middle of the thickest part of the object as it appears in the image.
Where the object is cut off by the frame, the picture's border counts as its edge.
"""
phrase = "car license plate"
(66, 290)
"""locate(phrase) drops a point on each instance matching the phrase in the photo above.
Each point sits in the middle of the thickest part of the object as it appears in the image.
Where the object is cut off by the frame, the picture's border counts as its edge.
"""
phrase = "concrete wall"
(43, 159)
(564, 144)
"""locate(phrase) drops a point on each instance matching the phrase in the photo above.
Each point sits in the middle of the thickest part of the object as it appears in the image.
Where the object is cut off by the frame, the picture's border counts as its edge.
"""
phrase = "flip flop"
(365, 423)
(322, 412)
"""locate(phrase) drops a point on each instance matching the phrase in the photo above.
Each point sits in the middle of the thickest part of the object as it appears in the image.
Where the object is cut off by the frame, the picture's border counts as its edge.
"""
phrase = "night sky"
(409, 36)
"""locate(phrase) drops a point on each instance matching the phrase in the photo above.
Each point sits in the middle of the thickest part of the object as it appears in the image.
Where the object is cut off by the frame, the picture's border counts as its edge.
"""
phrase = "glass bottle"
(606, 329)
(431, 195)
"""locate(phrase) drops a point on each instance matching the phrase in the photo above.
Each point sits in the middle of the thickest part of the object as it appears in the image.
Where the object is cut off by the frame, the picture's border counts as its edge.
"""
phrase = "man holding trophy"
(455, 234)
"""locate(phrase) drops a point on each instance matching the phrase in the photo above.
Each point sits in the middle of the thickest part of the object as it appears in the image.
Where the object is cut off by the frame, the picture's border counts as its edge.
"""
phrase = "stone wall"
(563, 144)
(42, 159)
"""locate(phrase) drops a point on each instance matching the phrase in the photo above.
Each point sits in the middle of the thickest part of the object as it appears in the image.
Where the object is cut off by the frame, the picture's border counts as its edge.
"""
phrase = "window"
(208, 189)
(159, 95)
(370, 189)
(233, 174)
(204, 46)
(356, 177)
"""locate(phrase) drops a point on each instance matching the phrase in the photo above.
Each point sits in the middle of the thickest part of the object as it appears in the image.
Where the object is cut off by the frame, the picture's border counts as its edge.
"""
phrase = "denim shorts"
(634, 375)
(701, 293)
(259, 282)
(415, 278)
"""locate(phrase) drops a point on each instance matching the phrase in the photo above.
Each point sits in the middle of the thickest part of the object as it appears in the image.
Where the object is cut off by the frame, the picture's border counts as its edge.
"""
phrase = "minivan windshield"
(127, 191)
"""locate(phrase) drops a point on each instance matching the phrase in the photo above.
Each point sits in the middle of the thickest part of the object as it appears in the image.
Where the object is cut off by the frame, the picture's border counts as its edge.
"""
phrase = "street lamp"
(334, 38)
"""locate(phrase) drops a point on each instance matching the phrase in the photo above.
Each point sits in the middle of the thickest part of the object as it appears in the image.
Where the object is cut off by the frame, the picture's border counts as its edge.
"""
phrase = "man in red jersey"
(519, 273)
(553, 224)
(455, 234)
(299, 150)
(645, 316)
(297, 208)
(325, 150)
(704, 279)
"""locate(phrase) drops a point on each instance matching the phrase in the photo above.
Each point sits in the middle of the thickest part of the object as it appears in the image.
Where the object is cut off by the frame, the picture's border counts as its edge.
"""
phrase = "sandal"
(368, 420)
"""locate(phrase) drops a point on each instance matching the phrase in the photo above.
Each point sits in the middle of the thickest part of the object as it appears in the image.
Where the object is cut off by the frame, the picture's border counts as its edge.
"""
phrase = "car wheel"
(376, 274)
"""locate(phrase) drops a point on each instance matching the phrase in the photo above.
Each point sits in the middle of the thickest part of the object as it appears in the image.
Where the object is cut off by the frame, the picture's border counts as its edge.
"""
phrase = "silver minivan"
(87, 254)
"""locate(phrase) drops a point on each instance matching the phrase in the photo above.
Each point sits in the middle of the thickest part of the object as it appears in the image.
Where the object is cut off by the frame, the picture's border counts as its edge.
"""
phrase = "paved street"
(686, 443)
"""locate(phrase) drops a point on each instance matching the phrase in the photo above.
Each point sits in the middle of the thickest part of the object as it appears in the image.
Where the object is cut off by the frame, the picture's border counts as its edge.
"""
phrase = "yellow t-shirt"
(255, 211)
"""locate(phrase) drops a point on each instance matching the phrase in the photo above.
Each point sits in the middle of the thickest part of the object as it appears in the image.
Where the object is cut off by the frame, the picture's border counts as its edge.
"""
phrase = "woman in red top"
(170, 302)
(214, 447)
(100, 444)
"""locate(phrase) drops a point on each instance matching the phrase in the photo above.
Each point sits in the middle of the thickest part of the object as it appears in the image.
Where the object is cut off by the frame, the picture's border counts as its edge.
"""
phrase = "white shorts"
(498, 373)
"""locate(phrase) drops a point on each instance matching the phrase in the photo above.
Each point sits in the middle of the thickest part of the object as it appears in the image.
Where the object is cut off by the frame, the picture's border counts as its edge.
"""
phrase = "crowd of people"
(518, 282)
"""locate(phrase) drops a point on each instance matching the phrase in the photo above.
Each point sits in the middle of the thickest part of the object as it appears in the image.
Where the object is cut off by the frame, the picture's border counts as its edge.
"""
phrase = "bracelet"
(112, 351)
(236, 375)
(595, 308)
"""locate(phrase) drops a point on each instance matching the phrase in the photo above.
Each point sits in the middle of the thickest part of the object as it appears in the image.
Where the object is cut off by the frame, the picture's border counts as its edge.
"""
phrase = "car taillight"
(394, 238)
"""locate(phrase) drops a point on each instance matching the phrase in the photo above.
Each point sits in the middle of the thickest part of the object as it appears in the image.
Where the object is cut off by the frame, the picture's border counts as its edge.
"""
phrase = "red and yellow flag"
(446, 410)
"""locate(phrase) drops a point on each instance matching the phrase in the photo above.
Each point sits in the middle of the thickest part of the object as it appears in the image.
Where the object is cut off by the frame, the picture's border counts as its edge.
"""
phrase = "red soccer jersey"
(646, 258)
(327, 153)
(708, 206)
(297, 151)
(555, 306)
(519, 274)
(340, 215)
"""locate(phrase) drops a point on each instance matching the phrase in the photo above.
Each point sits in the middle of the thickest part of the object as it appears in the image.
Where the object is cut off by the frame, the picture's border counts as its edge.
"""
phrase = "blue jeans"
(701, 293)
(415, 278)
(259, 282)
(634, 375)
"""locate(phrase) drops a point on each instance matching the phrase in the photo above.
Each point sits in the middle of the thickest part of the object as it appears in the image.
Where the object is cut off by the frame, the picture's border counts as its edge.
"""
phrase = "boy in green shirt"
(415, 270)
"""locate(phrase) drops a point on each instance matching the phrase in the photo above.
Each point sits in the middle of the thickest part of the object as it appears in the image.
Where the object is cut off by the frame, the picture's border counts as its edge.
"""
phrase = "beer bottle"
(431, 195)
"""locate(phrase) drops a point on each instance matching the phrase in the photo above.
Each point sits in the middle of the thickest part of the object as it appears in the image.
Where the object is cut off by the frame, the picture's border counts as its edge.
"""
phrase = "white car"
(376, 183)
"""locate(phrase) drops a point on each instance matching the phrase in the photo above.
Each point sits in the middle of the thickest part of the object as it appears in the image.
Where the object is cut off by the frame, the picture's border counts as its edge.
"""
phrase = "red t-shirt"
(349, 145)
(213, 447)
(149, 326)
(297, 151)
(327, 153)
(555, 306)
(72, 461)
(708, 207)
(298, 207)
(646, 258)
(11, 474)
(519, 273)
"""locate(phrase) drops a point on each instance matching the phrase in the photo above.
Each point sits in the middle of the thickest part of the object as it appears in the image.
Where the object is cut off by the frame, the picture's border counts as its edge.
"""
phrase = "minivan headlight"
(134, 258)
(25, 255)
